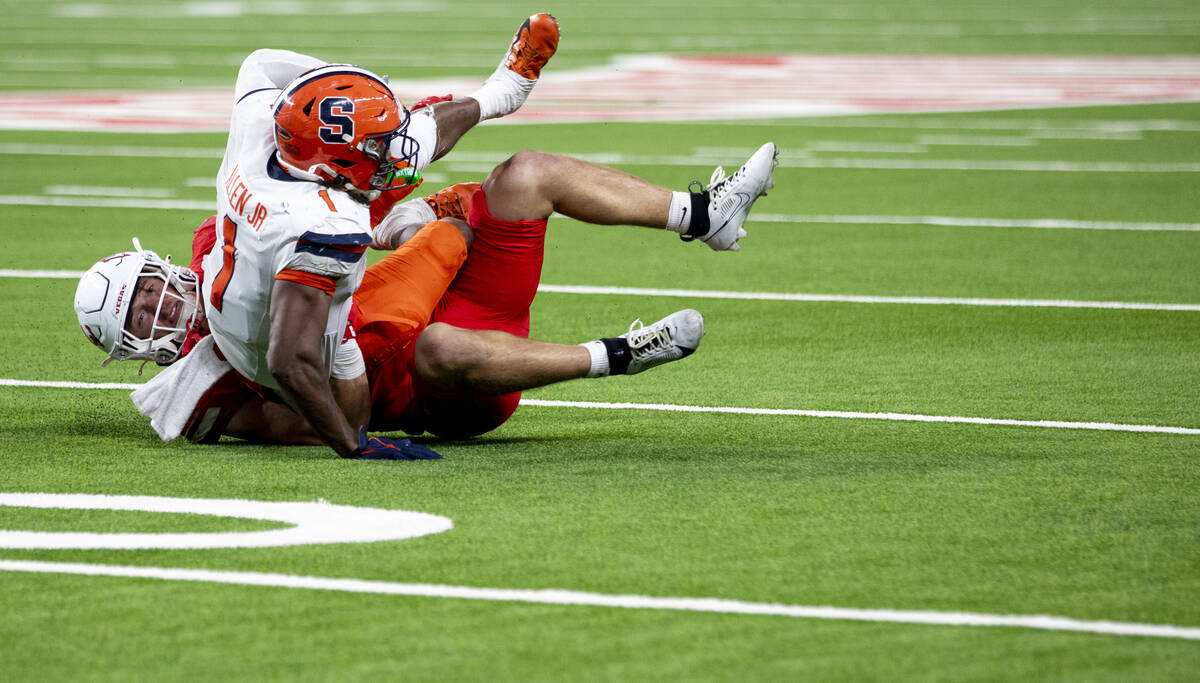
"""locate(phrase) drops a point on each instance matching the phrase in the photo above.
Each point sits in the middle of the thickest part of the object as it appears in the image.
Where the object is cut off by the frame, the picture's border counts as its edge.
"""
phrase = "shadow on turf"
(276, 452)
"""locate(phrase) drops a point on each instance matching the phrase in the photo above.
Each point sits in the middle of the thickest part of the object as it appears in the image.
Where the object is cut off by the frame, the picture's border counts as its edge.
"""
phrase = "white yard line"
(43, 274)
(485, 161)
(1083, 135)
(1030, 126)
(479, 161)
(40, 149)
(579, 598)
(854, 147)
(956, 222)
(944, 221)
(109, 202)
(107, 191)
(973, 165)
(976, 140)
(730, 410)
(67, 385)
(771, 296)
(864, 299)
(787, 160)
(894, 417)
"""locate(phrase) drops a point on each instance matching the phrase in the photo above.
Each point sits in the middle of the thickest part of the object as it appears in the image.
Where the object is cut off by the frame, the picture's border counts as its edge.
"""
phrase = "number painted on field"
(311, 523)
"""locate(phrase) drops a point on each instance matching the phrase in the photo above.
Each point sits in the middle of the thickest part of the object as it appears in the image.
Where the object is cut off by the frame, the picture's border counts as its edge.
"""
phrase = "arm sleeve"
(271, 70)
(422, 128)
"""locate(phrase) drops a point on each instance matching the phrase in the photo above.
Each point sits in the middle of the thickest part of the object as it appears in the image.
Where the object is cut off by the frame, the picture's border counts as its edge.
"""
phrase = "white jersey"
(271, 226)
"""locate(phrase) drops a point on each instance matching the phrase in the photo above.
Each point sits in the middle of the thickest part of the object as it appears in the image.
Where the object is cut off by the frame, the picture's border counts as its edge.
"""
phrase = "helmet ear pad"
(102, 299)
(334, 125)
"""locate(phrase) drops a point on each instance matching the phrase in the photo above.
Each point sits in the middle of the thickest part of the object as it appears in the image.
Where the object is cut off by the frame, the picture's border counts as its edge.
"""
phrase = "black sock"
(699, 226)
(618, 355)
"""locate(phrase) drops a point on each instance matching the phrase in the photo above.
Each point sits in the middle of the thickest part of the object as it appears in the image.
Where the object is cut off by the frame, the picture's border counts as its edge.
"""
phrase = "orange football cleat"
(453, 201)
(533, 45)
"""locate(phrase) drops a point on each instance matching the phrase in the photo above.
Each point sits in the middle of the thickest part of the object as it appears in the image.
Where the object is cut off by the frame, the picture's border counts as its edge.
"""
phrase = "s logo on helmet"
(338, 127)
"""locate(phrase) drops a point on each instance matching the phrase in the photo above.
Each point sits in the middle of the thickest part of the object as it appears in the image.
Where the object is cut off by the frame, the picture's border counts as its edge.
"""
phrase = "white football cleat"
(675, 336)
(730, 198)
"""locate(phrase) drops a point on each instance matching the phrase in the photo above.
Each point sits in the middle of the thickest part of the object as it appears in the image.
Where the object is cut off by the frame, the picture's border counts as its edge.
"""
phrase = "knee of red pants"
(466, 416)
(388, 352)
(496, 285)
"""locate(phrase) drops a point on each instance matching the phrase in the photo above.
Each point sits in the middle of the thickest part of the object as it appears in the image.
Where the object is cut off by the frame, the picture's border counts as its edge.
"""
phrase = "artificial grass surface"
(265, 634)
(781, 509)
(858, 513)
(847, 513)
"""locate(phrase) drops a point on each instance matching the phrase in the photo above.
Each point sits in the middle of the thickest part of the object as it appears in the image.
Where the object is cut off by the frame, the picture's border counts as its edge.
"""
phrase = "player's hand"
(384, 448)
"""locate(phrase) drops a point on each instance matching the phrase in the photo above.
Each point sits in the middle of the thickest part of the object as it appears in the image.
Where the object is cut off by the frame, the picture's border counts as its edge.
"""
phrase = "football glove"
(384, 448)
(430, 101)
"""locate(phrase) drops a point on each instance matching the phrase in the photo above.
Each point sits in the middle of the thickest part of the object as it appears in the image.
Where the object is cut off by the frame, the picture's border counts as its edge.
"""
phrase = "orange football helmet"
(341, 125)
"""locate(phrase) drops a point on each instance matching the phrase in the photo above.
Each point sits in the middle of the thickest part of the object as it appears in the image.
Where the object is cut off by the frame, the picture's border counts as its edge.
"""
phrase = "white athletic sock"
(502, 93)
(599, 353)
(679, 217)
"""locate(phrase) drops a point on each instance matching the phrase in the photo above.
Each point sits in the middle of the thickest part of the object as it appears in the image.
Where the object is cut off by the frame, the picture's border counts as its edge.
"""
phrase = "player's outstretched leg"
(532, 185)
(493, 362)
(646, 346)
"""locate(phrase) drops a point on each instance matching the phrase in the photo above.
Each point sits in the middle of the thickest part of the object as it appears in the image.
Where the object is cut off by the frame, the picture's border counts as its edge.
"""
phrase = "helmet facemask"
(396, 154)
(165, 341)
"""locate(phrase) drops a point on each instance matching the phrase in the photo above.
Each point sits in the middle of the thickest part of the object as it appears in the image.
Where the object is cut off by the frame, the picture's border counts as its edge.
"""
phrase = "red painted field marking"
(682, 88)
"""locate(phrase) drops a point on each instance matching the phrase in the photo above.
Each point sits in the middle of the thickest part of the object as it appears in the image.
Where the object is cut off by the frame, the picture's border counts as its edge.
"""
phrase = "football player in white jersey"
(444, 332)
(310, 144)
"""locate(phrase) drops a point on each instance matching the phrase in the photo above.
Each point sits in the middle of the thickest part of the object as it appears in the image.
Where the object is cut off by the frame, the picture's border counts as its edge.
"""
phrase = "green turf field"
(786, 509)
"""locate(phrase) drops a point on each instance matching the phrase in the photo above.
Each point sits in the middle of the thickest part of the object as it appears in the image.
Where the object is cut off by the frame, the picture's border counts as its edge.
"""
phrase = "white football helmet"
(105, 294)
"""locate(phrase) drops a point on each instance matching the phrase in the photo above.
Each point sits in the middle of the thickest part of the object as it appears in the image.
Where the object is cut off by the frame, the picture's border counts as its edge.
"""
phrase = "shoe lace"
(719, 183)
(644, 339)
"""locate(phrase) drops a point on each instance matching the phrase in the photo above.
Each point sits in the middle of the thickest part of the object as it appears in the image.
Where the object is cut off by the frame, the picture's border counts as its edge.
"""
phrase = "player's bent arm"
(263, 421)
(454, 119)
(271, 69)
(298, 317)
